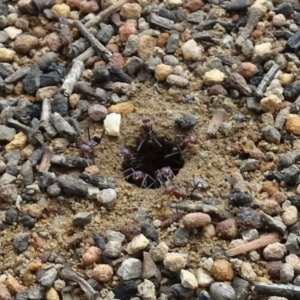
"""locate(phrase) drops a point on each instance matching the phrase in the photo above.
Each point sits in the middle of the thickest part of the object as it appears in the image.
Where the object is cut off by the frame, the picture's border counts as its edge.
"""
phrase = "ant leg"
(155, 140)
(145, 180)
(88, 132)
(140, 145)
(130, 174)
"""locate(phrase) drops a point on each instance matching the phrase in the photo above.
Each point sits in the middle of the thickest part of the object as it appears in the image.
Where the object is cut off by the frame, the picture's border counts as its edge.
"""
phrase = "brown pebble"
(117, 59)
(102, 273)
(130, 231)
(4, 293)
(271, 207)
(279, 197)
(123, 108)
(162, 40)
(13, 285)
(53, 41)
(292, 124)
(247, 69)
(24, 43)
(193, 5)
(92, 255)
(87, 7)
(126, 30)
(23, 24)
(227, 229)
(92, 170)
(274, 268)
(217, 89)
(269, 188)
(196, 220)
(146, 46)
(222, 270)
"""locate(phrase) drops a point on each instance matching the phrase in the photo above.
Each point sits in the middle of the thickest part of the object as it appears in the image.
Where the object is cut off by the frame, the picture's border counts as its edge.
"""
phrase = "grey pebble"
(241, 288)
(177, 80)
(71, 186)
(21, 296)
(271, 134)
(181, 237)
(60, 104)
(113, 235)
(273, 223)
(186, 122)
(48, 278)
(171, 60)
(151, 63)
(196, 17)
(292, 244)
(290, 175)
(179, 291)
(227, 42)
(108, 198)
(6, 133)
(100, 74)
(248, 165)
(46, 179)
(133, 65)
(131, 45)
(7, 179)
(35, 292)
(130, 268)
(173, 43)
(12, 169)
(149, 232)
(105, 33)
(27, 172)
(83, 218)
(113, 249)
(6, 69)
(2, 166)
(54, 190)
(297, 280)
(21, 242)
(287, 159)
(221, 291)
(8, 193)
(286, 273)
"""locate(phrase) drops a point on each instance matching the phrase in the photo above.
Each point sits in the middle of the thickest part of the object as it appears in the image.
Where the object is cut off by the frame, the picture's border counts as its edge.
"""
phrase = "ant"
(176, 192)
(129, 160)
(190, 140)
(87, 147)
(164, 174)
(139, 178)
(148, 133)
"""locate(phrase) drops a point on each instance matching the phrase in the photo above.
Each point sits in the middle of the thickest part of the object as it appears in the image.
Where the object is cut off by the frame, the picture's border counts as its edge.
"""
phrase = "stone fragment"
(203, 277)
(108, 198)
(221, 291)
(140, 242)
(271, 134)
(81, 219)
(124, 108)
(24, 43)
(102, 273)
(213, 77)
(12, 32)
(177, 80)
(222, 270)
(112, 124)
(292, 124)
(60, 10)
(174, 261)
(162, 71)
(286, 273)
(113, 249)
(292, 91)
(147, 290)
(271, 103)
(247, 272)
(131, 11)
(191, 51)
(274, 251)
(290, 215)
(88, 6)
(97, 112)
(126, 30)
(146, 46)
(19, 141)
(247, 69)
(91, 255)
(47, 280)
(263, 50)
(130, 268)
(6, 133)
(188, 279)
(45, 92)
(159, 252)
(7, 55)
(227, 229)
(196, 220)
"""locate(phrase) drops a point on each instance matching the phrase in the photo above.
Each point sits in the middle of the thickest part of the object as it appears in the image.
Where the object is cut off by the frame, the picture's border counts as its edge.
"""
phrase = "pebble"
(172, 43)
(221, 291)
(263, 50)
(71, 186)
(279, 20)
(126, 30)
(271, 103)
(81, 219)
(196, 220)
(203, 277)
(113, 235)
(6, 133)
(107, 198)
(60, 10)
(131, 11)
(177, 80)
(188, 279)
(186, 122)
(7, 179)
(247, 272)
(274, 251)
(52, 294)
(47, 280)
(271, 134)
(112, 124)
(191, 51)
(21, 242)
(213, 77)
(113, 249)
(146, 290)
(162, 71)
(174, 261)
(140, 242)
(24, 43)
(249, 165)
(91, 255)
(247, 69)
(12, 32)
(294, 261)
(87, 7)
(290, 215)
(103, 273)
(227, 229)
(19, 141)
(159, 252)
(181, 237)
(145, 47)
(130, 268)
(286, 273)
(222, 270)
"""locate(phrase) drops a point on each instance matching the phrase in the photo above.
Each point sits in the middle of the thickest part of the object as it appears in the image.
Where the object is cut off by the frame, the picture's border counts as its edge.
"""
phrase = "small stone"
(286, 273)
(294, 261)
(60, 10)
(5, 294)
(6, 133)
(97, 112)
(279, 20)
(271, 103)
(133, 65)
(247, 272)
(227, 229)
(131, 11)
(140, 242)
(130, 268)
(74, 100)
(222, 270)
(203, 277)
(175, 262)
(45, 92)
(113, 235)
(112, 124)
(271, 134)
(177, 80)
(263, 50)
(102, 273)
(271, 207)
(188, 279)
(159, 252)
(124, 108)
(174, 3)
(81, 219)
(24, 43)
(113, 249)
(173, 43)
(47, 280)
(146, 46)
(181, 237)
(191, 51)
(7, 179)
(186, 122)
(147, 290)
(7, 55)
(71, 186)
(126, 30)
(12, 32)
(249, 165)
(196, 220)
(290, 215)
(286, 79)
(292, 91)
(162, 71)
(21, 242)
(292, 124)
(274, 88)
(247, 69)
(88, 6)
(213, 77)
(274, 251)
(221, 291)
(52, 294)
(108, 198)
(91, 255)
(19, 141)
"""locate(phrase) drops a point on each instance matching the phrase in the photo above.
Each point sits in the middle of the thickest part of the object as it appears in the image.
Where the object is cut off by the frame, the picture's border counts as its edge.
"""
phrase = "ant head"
(125, 153)
(169, 189)
(191, 140)
(85, 148)
(138, 175)
(146, 120)
(165, 171)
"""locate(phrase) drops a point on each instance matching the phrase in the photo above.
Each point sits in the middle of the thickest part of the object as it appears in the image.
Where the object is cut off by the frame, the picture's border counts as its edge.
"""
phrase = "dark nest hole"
(147, 166)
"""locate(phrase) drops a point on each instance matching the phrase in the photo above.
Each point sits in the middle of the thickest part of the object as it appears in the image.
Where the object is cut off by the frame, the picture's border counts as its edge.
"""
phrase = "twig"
(253, 245)
(254, 15)
(106, 12)
(266, 81)
(216, 122)
(46, 160)
(89, 52)
(46, 119)
(72, 77)
(206, 208)
(78, 47)
(282, 290)
(105, 53)
(70, 275)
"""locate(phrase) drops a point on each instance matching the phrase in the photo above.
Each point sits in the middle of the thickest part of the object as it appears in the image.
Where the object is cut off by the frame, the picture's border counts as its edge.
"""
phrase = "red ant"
(129, 160)
(175, 191)
(139, 178)
(164, 174)
(87, 147)
(148, 133)
(190, 140)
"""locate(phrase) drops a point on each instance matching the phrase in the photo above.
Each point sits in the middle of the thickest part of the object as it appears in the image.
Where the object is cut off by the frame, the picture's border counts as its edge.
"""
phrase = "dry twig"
(282, 290)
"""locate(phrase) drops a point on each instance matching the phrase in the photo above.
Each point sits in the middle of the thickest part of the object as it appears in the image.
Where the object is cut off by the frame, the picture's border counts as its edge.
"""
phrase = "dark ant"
(129, 160)
(175, 191)
(87, 147)
(148, 133)
(164, 174)
(140, 178)
(190, 140)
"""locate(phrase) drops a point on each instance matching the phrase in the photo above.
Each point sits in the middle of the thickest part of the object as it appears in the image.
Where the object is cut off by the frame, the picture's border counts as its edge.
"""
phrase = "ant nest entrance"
(155, 160)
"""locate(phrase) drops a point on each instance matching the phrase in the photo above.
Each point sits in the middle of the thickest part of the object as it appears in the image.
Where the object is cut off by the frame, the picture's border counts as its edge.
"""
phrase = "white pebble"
(112, 124)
